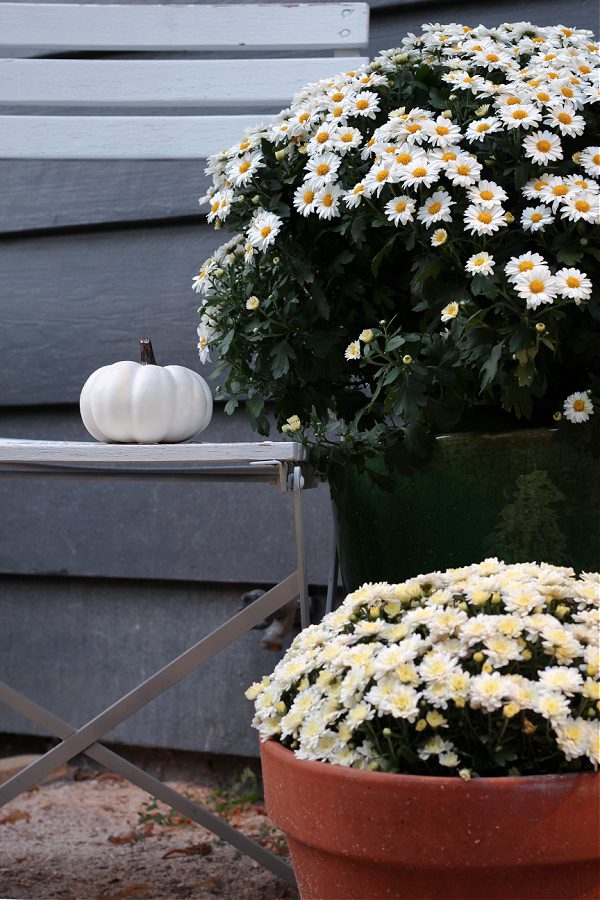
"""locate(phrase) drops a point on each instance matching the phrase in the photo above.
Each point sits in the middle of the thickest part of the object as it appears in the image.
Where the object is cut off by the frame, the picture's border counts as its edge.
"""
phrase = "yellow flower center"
(434, 208)
(573, 282)
(492, 57)
(303, 117)
(582, 206)
(419, 172)
(403, 158)
(327, 200)
(346, 137)
(536, 217)
(308, 197)
(483, 126)
(412, 129)
(322, 169)
(266, 231)
(536, 286)
(358, 189)
(214, 207)
(400, 206)
(486, 195)
(362, 104)
(463, 169)
(559, 190)
(585, 70)
(448, 156)
(596, 159)
(525, 265)
(544, 146)
(579, 405)
(485, 217)
(382, 176)
(567, 91)
(442, 129)
(520, 114)
(513, 101)
(337, 111)
(565, 118)
(337, 97)
(480, 261)
(244, 145)
(244, 167)
(543, 96)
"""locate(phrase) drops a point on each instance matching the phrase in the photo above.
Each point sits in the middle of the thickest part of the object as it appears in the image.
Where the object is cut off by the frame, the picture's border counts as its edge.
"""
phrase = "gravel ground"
(93, 836)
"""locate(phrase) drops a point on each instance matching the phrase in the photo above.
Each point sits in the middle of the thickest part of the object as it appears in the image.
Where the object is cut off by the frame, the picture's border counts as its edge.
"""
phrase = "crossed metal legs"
(85, 739)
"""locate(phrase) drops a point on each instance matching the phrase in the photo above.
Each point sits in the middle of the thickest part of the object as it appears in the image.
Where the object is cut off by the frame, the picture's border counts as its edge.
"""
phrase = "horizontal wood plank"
(14, 450)
(152, 529)
(119, 137)
(227, 28)
(209, 83)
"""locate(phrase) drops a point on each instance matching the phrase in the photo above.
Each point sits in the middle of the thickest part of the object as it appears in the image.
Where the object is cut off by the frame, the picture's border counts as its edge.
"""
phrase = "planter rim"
(497, 435)
(274, 748)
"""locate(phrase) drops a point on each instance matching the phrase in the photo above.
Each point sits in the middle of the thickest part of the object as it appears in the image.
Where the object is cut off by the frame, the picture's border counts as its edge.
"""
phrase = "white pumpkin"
(143, 403)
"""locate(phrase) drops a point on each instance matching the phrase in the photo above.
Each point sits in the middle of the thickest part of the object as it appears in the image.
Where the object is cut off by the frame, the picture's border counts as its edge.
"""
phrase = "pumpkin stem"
(147, 353)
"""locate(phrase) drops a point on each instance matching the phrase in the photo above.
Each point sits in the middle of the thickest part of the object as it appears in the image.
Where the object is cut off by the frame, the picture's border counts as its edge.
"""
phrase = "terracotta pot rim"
(485, 783)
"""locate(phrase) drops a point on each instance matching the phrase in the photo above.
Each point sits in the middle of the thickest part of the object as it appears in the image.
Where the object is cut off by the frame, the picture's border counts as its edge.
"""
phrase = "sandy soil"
(99, 838)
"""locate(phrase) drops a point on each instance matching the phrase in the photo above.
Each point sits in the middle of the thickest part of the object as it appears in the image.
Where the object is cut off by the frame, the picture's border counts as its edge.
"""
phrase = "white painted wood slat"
(119, 137)
(232, 28)
(257, 82)
(19, 451)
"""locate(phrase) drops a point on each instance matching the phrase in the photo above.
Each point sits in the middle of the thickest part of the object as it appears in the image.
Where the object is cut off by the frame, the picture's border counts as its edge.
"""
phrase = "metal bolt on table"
(267, 462)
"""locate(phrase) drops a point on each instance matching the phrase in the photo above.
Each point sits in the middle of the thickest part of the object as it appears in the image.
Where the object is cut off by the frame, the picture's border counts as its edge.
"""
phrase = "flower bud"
(387, 732)
(509, 218)
(447, 114)
(526, 655)
(583, 241)
(452, 97)
(540, 327)
(421, 725)
(276, 260)
(510, 709)
(218, 225)
(279, 154)
(557, 416)
(407, 359)
(374, 612)
(478, 657)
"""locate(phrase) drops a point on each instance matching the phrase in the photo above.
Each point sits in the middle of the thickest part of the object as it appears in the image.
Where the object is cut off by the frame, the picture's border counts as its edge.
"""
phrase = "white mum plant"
(443, 200)
(491, 669)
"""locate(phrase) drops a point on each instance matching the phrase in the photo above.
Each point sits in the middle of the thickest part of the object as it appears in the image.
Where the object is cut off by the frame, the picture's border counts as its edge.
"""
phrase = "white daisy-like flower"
(450, 311)
(400, 210)
(347, 138)
(464, 170)
(480, 128)
(263, 230)
(573, 737)
(352, 351)
(386, 172)
(487, 193)
(523, 115)
(542, 147)
(327, 201)
(562, 678)
(201, 281)
(436, 209)
(484, 219)
(578, 407)
(439, 237)
(535, 218)
(304, 198)
(480, 264)
(488, 691)
(205, 335)
(556, 191)
(442, 132)
(323, 139)
(322, 168)
(581, 206)
(220, 204)
(573, 284)
(566, 119)
(252, 303)
(536, 287)
(422, 171)
(241, 170)
(365, 104)
(589, 160)
(353, 197)
(533, 189)
(518, 265)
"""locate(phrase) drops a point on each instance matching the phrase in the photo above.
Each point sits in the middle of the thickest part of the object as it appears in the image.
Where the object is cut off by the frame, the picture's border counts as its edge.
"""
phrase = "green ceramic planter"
(522, 496)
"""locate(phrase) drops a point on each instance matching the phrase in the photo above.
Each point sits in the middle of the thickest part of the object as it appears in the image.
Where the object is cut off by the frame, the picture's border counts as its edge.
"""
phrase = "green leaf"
(255, 405)
(231, 405)
(281, 353)
(490, 367)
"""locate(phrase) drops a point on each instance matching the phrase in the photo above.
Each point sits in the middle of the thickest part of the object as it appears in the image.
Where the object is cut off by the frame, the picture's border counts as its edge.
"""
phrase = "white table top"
(20, 451)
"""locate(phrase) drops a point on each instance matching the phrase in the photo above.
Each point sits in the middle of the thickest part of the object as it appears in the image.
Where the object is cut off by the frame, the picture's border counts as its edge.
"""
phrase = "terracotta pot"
(369, 835)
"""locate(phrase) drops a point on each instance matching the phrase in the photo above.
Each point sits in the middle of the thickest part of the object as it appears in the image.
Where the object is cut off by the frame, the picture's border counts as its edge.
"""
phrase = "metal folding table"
(278, 463)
